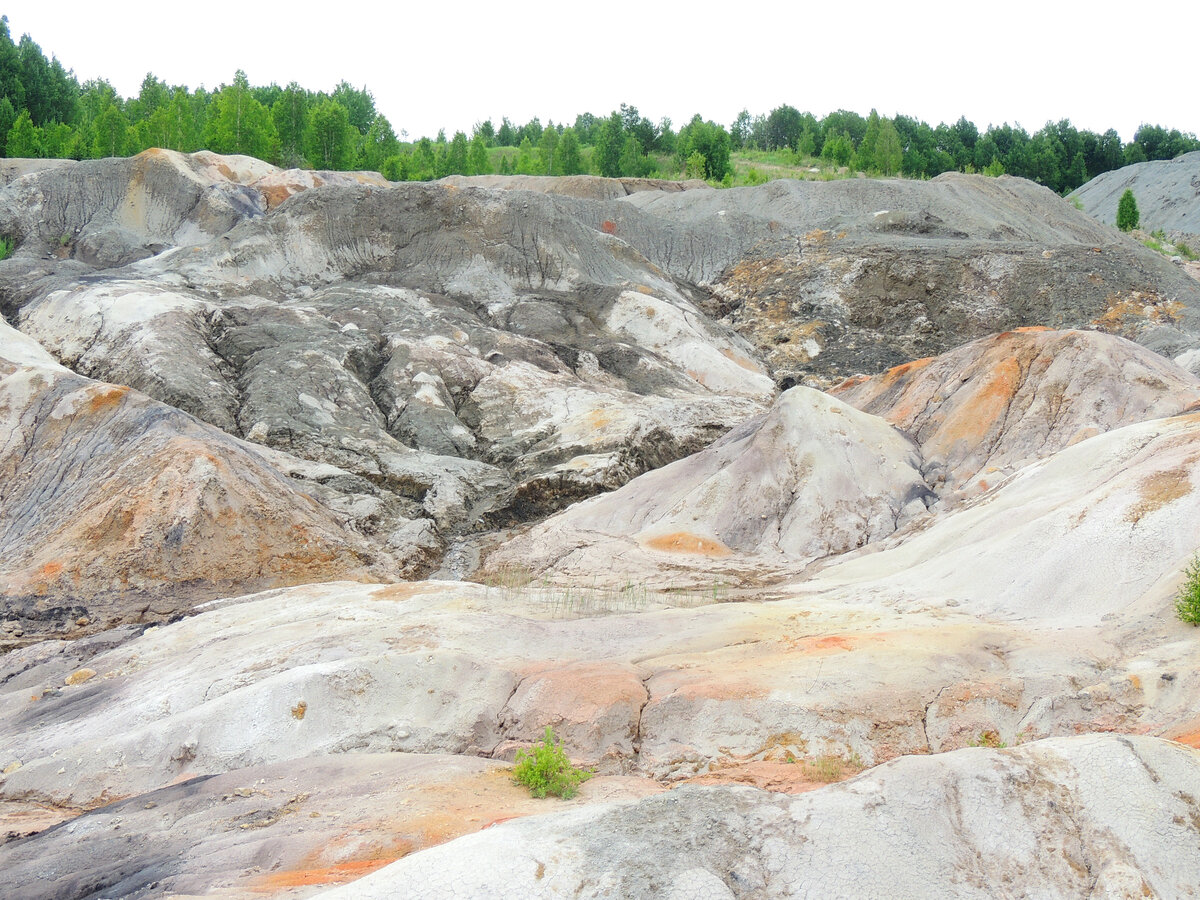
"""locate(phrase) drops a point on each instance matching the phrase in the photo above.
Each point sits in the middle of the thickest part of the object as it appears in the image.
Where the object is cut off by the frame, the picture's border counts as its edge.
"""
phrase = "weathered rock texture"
(992, 406)
(117, 508)
(1167, 193)
(228, 378)
(1078, 536)
(1083, 817)
(855, 276)
(811, 478)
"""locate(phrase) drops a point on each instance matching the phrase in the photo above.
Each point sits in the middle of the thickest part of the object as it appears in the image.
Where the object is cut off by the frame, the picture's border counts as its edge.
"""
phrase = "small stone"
(82, 621)
(80, 676)
(12, 767)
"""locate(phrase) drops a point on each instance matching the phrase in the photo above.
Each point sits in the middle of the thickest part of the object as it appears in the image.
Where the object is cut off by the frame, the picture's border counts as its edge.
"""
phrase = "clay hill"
(1167, 193)
(835, 526)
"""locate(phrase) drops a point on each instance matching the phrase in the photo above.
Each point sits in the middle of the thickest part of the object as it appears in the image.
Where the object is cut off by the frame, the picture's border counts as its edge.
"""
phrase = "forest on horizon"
(46, 113)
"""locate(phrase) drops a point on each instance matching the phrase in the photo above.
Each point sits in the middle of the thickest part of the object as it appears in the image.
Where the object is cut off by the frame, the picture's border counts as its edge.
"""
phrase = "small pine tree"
(545, 769)
(1187, 601)
(1127, 212)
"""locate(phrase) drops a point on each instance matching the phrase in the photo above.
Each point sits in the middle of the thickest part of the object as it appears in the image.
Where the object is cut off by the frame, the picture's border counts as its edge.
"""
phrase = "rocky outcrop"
(1078, 817)
(116, 508)
(1167, 193)
(811, 478)
(981, 412)
(833, 279)
(1100, 528)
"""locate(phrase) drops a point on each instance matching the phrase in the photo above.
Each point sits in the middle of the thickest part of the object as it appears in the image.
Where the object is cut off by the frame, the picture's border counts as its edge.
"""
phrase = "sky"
(452, 64)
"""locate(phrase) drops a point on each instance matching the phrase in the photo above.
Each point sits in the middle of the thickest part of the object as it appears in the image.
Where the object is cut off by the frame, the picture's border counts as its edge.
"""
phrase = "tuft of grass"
(830, 767)
(7, 245)
(989, 738)
(1185, 251)
(1187, 601)
(545, 769)
(1153, 244)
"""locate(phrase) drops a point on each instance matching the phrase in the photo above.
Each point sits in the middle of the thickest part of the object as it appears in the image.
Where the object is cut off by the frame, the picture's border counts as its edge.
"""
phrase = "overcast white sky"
(433, 65)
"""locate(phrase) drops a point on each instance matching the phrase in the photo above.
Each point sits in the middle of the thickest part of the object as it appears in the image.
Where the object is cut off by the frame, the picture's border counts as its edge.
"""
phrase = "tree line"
(45, 112)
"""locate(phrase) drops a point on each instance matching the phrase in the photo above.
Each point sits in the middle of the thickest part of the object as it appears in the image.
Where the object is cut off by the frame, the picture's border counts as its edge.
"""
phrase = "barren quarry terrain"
(835, 526)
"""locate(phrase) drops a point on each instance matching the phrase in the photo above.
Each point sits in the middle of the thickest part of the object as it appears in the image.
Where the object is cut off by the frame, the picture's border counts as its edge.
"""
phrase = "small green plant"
(6, 248)
(1076, 202)
(1127, 212)
(64, 239)
(830, 767)
(545, 769)
(1153, 245)
(1185, 251)
(1187, 601)
(989, 738)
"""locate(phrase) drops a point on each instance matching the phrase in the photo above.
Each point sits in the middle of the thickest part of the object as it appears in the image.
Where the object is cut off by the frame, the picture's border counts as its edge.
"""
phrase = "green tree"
(358, 103)
(634, 163)
(395, 168)
(477, 156)
(568, 160)
(609, 141)
(290, 116)
(238, 123)
(379, 144)
(739, 132)
(889, 154)
(423, 164)
(547, 145)
(8, 118)
(711, 141)
(1127, 211)
(456, 160)
(24, 138)
(784, 126)
(525, 164)
(838, 149)
(110, 133)
(329, 139)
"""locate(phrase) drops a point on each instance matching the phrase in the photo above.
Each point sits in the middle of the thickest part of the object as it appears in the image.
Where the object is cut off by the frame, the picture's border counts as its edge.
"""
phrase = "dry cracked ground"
(835, 526)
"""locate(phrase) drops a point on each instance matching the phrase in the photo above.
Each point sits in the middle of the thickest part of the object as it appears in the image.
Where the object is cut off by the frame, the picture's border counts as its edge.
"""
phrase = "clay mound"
(832, 279)
(109, 212)
(1067, 817)
(811, 478)
(1102, 527)
(951, 206)
(586, 187)
(1167, 193)
(115, 508)
(278, 185)
(999, 403)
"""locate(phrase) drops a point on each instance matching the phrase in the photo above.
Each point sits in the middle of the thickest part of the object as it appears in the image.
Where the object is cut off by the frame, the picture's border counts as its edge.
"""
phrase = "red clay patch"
(684, 542)
(106, 398)
(337, 874)
(1190, 739)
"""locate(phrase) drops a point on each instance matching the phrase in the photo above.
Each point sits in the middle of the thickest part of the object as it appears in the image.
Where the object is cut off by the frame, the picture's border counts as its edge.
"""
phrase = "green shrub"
(1184, 250)
(6, 248)
(545, 769)
(1127, 212)
(1187, 601)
